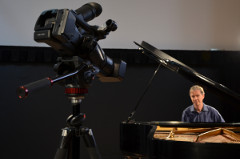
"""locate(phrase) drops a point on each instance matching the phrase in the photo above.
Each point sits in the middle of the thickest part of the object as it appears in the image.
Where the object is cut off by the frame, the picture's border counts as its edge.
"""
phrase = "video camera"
(81, 58)
(68, 32)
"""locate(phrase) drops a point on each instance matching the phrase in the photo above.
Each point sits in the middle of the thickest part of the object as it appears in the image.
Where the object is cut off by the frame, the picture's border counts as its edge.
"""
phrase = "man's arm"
(218, 116)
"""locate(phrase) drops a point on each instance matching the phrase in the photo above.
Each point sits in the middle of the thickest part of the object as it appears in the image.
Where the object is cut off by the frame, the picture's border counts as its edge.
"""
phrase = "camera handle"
(70, 142)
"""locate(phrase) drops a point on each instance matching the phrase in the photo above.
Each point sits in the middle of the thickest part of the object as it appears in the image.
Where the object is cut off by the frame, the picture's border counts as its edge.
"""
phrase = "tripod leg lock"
(62, 151)
(90, 143)
(66, 137)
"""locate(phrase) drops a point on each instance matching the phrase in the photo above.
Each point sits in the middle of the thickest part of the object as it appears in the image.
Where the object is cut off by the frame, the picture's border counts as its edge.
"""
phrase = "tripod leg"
(90, 143)
(63, 150)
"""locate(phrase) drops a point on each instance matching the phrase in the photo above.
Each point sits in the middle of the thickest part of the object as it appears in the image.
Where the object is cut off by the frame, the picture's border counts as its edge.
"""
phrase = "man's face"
(197, 98)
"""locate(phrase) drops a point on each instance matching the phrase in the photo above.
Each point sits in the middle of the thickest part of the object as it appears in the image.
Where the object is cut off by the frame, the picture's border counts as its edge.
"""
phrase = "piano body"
(167, 140)
(174, 139)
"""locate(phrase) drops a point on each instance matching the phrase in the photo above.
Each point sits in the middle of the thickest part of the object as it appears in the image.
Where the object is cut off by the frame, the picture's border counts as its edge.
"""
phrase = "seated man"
(199, 111)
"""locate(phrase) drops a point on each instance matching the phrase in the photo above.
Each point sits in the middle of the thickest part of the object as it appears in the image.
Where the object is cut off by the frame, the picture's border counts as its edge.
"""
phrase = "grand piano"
(175, 139)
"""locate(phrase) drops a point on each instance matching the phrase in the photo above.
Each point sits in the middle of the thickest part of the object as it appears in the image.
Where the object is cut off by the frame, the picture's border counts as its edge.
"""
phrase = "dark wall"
(31, 128)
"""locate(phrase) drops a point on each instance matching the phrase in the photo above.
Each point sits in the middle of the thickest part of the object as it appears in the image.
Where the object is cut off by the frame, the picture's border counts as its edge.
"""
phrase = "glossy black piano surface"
(137, 141)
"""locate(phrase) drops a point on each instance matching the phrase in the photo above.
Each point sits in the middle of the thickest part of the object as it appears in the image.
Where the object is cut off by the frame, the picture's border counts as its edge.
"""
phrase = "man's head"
(197, 95)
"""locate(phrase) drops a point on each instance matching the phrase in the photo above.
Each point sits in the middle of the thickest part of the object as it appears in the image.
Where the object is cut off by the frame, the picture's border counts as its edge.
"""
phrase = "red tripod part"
(76, 91)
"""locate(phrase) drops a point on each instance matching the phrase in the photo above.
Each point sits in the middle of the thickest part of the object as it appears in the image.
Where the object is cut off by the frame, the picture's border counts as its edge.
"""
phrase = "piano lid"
(189, 73)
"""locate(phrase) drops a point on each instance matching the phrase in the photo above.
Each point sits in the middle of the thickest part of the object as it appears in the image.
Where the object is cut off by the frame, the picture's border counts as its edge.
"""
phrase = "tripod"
(76, 75)
(70, 141)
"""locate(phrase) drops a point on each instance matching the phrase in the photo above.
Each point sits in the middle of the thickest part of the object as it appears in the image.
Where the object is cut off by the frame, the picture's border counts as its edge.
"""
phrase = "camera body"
(69, 33)
(57, 29)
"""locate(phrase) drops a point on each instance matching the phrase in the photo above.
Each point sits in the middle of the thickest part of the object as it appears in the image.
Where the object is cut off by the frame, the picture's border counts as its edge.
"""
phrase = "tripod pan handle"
(24, 90)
